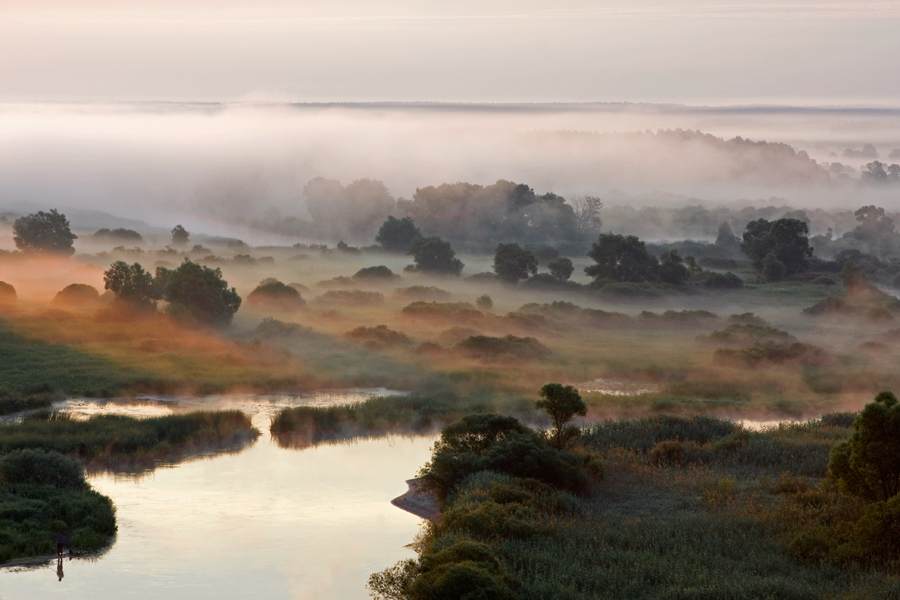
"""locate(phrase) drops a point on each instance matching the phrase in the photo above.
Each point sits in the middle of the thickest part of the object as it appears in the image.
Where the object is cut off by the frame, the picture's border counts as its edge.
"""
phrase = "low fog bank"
(208, 165)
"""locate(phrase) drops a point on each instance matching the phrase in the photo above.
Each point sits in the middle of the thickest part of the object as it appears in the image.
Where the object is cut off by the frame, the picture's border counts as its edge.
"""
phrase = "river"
(266, 522)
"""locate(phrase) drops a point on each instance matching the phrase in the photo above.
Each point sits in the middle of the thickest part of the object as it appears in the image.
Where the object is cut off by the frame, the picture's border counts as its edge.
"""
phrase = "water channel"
(265, 522)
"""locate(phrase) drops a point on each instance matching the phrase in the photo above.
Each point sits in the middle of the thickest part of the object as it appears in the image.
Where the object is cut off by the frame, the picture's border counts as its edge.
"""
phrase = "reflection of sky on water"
(265, 523)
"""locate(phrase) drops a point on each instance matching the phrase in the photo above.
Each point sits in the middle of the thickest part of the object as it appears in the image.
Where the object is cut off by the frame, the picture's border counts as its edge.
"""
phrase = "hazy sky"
(702, 51)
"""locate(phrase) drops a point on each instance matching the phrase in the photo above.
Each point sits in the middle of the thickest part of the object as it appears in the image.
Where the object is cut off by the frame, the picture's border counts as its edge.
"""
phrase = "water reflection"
(264, 523)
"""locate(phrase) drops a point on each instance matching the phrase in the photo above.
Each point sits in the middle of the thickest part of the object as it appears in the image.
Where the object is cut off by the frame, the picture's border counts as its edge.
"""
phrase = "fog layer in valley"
(213, 166)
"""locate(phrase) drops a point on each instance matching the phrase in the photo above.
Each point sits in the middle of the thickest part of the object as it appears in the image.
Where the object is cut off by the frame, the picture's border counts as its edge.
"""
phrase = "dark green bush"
(483, 346)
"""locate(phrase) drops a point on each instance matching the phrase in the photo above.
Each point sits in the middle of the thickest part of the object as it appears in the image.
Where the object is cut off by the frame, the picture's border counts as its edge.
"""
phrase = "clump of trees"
(513, 263)
(44, 232)
(395, 234)
(352, 212)
(7, 293)
(626, 259)
(434, 256)
(193, 292)
(180, 236)
(119, 235)
(777, 248)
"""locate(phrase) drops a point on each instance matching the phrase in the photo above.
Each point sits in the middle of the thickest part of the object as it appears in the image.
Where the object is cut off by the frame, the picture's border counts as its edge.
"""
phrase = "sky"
(681, 51)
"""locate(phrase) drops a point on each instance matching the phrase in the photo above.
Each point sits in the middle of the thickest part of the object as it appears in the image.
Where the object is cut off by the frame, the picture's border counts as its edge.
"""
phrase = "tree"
(672, 269)
(874, 173)
(561, 402)
(587, 215)
(561, 268)
(787, 239)
(131, 284)
(44, 232)
(773, 269)
(434, 255)
(726, 239)
(180, 235)
(512, 262)
(200, 294)
(621, 258)
(396, 234)
(352, 212)
(868, 464)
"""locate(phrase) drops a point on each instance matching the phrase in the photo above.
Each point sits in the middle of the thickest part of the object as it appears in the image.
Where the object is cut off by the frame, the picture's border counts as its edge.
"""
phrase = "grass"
(688, 509)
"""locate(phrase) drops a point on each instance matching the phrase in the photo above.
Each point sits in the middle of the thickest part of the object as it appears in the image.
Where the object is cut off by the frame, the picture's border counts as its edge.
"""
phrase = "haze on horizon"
(689, 51)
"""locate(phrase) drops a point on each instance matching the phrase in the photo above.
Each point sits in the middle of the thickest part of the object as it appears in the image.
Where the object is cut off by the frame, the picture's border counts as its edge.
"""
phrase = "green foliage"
(434, 255)
(561, 403)
(772, 268)
(672, 269)
(868, 464)
(723, 281)
(132, 284)
(773, 352)
(486, 442)
(180, 235)
(37, 467)
(276, 294)
(379, 336)
(119, 235)
(786, 239)
(513, 263)
(395, 235)
(483, 346)
(200, 294)
(623, 259)
(378, 272)
(484, 302)
(77, 295)
(44, 232)
(561, 268)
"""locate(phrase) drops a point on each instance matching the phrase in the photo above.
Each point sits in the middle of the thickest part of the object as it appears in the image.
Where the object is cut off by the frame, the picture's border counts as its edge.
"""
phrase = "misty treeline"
(473, 217)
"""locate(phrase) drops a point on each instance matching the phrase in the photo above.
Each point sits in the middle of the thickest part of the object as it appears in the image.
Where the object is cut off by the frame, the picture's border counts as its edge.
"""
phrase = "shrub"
(723, 281)
(484, 302)
(379, 336)
(379, 272)
(774, 352)
(38, 467)
(772, 268)
(275, 294)
(454, 311)
(7, 293)
(422, 292)
(77, 295)
(351, 298)
(483, 346)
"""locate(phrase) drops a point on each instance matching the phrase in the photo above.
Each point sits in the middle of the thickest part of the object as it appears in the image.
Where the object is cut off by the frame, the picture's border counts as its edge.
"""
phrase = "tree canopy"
(787, 239)
(395, 234)
(352, 212)
(622, 258)
(434, 255)
(561, 268)
(180, 235)
(131, 284)
(561, 403)
(44, 232)
(868, 464)
(513, 262)
(199, 293)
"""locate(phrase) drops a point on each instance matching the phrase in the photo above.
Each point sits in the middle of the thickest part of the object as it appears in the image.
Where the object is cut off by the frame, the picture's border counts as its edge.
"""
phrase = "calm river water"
(264, 523)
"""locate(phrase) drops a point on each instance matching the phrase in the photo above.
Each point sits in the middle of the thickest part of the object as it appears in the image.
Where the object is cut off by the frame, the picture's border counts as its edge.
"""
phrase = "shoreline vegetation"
(43, 460)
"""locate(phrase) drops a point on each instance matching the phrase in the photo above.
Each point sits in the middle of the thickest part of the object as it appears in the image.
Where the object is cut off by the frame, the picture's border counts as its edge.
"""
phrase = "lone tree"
(672, 268)
(868, 464)
(434, 255)
(561, 402)
(132, 285)
(787, 239)
(44, 232)
(513, 262)
(561, 268)
(396, 234)
(199, 294)
(622, 258)
(180, 236)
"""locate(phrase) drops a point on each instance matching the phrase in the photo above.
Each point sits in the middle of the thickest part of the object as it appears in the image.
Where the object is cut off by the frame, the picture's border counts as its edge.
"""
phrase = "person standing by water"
(62, 542)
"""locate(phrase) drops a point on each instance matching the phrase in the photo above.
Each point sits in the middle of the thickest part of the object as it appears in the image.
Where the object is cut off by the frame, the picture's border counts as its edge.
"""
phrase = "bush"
(483, 346)
(379, 272)
(275, 294)
(38, 467)
(351, 298)
(422, 292)
(772, 268)
(379, 336)
(723, 281)
(453, 311)
(77, 295)
(484, 302)
(7, 293)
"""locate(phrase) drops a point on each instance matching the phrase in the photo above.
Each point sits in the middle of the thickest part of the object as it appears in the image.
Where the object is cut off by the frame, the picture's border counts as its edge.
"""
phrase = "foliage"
(44, 232)
(121, 235)
(352, 212)
(7, 292)
(378, 272)
(786, 239)
(587, 215)
(351, 298)
(77, 295)
(132, 284)
(379, 336)
(422, 292)
(484, 302)
(868, 464)
(561, 403)
(396, 234)
(672, 269)
(200, 294)
(274, 293)
(513, 263)
(772, 268)
(180, 236)
(561, 268)
(483, 346)
(434, 255)
(455, 311)
(723, 281)
(622, 258)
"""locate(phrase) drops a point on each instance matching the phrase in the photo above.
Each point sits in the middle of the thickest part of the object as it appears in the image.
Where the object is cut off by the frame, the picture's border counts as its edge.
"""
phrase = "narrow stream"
(264, 523)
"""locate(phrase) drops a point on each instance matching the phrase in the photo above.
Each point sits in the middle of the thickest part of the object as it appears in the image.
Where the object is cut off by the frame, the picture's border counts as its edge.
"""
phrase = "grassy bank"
(688, 509)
